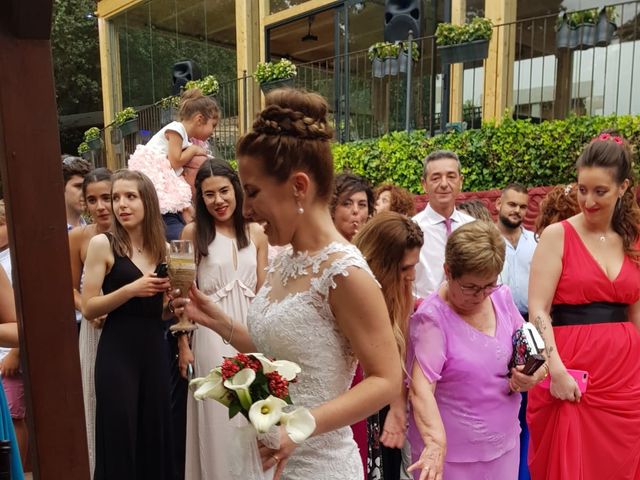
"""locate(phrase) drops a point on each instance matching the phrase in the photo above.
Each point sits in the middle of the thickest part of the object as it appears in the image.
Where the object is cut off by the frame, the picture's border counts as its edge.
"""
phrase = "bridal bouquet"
(258, 388)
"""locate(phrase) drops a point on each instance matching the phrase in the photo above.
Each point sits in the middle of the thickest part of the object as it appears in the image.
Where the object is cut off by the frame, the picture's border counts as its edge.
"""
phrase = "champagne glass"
(182, 273)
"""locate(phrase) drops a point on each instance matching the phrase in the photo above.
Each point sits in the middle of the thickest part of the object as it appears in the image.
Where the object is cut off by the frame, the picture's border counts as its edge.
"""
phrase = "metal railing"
(546, 83)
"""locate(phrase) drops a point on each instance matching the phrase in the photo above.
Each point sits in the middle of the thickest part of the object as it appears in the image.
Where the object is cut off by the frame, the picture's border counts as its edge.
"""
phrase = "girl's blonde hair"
(152, 224)
(383, 241)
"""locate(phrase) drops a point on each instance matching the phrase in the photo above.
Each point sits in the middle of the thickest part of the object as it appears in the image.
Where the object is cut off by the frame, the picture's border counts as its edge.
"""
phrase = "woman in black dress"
(133, 438)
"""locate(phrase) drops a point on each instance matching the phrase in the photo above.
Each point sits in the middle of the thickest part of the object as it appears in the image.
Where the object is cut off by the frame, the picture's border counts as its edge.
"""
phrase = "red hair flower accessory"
(608, 136)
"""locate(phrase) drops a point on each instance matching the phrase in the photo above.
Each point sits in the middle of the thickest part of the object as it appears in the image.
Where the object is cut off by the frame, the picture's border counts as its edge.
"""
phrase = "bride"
(320, 305)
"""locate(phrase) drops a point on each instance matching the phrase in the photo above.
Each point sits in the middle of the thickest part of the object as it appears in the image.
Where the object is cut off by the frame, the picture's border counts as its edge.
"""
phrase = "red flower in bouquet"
(248, 361)
(229, 368)
(278, 386)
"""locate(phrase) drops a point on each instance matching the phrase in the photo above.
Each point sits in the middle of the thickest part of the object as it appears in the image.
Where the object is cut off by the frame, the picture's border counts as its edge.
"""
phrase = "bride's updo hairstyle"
(292, 134)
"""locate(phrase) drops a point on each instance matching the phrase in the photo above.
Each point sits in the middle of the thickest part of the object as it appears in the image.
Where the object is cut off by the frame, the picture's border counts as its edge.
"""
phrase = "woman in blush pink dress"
(464, 421)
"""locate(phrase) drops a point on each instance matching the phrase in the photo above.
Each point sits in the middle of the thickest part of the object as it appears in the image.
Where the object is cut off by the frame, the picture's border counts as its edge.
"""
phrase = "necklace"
(602, 238)
(139, 249)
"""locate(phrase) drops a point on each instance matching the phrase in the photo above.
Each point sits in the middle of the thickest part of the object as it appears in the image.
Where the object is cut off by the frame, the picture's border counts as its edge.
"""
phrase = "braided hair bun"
(294, 113)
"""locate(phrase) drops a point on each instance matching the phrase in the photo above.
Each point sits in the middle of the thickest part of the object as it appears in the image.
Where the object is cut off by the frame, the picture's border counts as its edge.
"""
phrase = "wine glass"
(182, 273)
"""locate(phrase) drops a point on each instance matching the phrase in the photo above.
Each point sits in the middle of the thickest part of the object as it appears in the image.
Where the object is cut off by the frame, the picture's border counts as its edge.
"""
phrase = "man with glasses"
(442, 181)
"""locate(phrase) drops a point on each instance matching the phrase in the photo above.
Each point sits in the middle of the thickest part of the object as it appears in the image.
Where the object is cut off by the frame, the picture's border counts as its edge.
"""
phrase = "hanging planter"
(582, 29)
(384, 58)
(129, 127)
(563, 32)
(272, 75)
(464, 43)
(168, 109)
(606, 26)
(403, 58)
(465, 52)
(586, 36)
(266, 87)
(93, 138)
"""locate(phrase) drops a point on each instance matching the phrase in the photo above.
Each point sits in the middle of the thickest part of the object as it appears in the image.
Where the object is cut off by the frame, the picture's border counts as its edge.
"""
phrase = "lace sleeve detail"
(346, 256)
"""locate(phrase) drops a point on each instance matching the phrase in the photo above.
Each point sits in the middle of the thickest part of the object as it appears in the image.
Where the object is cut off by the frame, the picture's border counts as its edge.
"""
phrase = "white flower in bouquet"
(288, 370)
(264, 414)
(240, 384)
(211, 386)
(299, 424)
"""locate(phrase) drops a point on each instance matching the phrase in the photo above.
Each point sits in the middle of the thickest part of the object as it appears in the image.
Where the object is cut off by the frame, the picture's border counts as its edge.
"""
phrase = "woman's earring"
(300, 209)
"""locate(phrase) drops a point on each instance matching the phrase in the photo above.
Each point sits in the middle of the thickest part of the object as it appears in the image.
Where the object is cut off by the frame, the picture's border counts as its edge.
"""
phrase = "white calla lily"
(288, 370)
(210, 386)
(299, 424)
(264, 414)
(240, 384)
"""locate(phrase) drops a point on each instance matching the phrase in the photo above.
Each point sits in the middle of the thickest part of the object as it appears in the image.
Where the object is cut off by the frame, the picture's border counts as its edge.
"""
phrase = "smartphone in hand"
(581, 377)
(162, 270)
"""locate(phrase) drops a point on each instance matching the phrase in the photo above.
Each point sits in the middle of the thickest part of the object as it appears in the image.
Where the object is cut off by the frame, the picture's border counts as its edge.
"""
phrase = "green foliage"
(208, 85)
(478, 28)
(169, 102)
(92, 134)
(384, 50)
(125, 115)
(271, 71)
(582, 17)
(76, 59)
(611, 13)
(491, 156)
(83, 148)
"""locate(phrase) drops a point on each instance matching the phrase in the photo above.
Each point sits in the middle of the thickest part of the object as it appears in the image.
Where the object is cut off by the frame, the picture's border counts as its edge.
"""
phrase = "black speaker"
(182, 72)
(400, 16)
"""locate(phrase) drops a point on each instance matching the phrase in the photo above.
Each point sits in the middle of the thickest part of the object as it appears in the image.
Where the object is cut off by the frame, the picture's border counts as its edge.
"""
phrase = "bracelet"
(170, 306)
(546, 367)
(233, 326)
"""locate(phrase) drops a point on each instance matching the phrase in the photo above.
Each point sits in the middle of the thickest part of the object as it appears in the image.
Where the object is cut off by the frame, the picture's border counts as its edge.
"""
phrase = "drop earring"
(300, 209)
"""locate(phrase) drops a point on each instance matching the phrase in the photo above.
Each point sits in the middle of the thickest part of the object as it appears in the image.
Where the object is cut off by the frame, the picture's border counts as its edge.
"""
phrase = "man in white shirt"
(74, 169)
(521, 243)
(442, 181)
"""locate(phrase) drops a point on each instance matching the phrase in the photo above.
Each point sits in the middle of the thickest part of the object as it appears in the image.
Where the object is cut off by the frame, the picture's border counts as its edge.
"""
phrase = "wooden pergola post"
(33, 191)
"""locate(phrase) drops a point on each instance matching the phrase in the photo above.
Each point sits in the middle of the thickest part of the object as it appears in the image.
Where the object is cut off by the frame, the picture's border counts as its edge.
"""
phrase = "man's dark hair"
(439, 155)
(74, 166)
(516, 187)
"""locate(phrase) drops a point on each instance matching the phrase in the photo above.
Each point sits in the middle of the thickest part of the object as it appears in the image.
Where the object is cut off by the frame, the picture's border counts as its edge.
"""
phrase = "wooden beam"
(248, 56)
(31, 19)
(40, 256)
(458, 16)
(110, 8)
(111, 85)
(498, 68)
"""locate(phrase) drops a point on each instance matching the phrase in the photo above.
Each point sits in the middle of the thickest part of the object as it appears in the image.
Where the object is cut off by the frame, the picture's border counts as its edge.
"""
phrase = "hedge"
(491, 156)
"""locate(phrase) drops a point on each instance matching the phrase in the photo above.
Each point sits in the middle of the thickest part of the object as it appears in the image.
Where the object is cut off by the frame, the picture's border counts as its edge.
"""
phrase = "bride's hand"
(201, 309)
(277, 458)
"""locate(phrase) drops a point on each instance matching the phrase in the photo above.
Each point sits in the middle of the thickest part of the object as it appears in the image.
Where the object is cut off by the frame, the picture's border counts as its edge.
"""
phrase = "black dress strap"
(589, 313)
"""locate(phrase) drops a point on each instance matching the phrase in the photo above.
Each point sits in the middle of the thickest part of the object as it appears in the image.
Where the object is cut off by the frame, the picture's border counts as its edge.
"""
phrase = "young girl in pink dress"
(165, 156)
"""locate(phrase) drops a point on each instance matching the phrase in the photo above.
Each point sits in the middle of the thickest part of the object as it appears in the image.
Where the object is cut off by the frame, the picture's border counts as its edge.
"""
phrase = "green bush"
(491, 156)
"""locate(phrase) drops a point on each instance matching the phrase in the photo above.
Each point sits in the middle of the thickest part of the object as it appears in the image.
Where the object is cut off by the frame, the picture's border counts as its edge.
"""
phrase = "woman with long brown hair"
(132, 373)
(391, 244)
(584, 298)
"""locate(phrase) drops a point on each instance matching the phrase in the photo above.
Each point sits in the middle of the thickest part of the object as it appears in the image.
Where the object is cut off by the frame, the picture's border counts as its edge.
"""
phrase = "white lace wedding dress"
(291, 319)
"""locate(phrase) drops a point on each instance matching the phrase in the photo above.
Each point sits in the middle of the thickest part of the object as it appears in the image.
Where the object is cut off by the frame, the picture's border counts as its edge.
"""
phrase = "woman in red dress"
(584, 298)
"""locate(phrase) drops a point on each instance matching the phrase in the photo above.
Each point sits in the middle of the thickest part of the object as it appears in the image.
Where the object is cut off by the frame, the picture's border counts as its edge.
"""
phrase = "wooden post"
(248, 52)
(458, 14)
(498, 68)
(33, 191)
(562, 100)
(111, 83)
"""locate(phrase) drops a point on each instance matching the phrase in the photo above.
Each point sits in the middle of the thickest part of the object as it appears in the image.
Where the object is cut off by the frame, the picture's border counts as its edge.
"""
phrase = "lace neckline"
(292, 265)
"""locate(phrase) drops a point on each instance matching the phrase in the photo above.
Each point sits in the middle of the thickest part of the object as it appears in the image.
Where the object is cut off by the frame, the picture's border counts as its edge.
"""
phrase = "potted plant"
(606, 26)
(563, 31)
(84, 151)
(208, 85)
(468, 42)
(92, 138)
(272, 75)
(168, 108)
(583, 23)
(403, 58)
(127, 121)
(384, 58)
